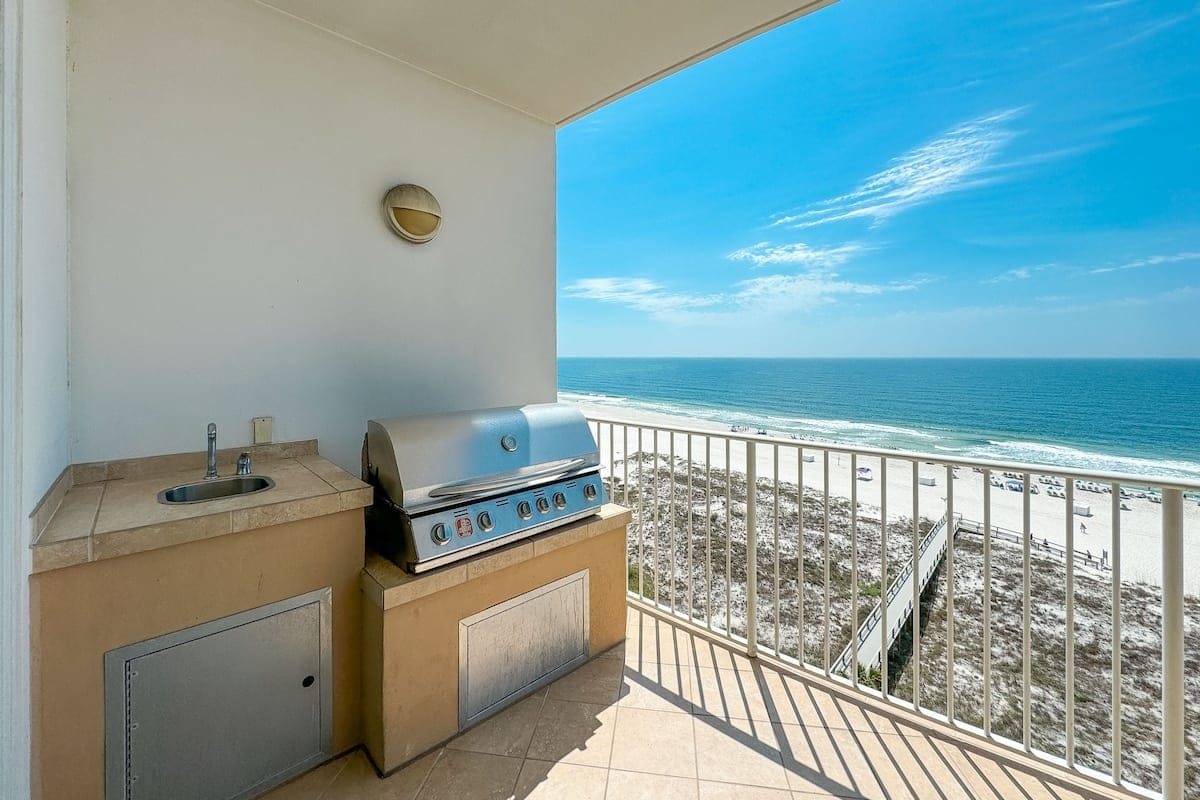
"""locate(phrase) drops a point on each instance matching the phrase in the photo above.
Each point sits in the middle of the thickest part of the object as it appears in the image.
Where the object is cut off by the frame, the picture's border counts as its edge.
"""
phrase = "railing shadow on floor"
(1006, 780)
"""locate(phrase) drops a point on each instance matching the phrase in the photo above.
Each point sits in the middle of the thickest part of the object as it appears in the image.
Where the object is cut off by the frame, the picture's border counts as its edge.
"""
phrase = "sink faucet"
(212, 452)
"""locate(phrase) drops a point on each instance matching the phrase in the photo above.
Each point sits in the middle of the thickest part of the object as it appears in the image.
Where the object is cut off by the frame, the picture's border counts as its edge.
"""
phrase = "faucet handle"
(243, 464)
(212, 430)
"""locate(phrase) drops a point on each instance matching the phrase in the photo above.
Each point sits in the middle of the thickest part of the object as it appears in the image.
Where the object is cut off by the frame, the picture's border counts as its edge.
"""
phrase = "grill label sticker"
(463, 526)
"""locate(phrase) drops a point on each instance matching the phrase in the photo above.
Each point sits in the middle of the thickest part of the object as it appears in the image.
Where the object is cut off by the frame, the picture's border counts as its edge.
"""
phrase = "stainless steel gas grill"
(448, 486)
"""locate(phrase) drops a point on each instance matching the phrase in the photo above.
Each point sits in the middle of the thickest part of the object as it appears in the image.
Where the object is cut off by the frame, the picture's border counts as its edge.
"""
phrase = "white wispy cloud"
(768, 294)
(1149, 261)
(1017, 274)
(803, 292)
(641, 294)
(798, 253)
(961, 158)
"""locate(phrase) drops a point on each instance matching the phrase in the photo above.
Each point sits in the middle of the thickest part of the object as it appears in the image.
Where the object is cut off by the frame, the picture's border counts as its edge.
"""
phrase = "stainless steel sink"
(215, 489)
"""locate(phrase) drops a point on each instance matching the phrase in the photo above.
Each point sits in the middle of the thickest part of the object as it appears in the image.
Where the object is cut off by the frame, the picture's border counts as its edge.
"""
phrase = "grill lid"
(431, 461)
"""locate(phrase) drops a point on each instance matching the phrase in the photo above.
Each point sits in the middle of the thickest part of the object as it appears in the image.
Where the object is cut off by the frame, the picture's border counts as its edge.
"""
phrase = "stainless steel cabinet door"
(226, 709)
(512, 648)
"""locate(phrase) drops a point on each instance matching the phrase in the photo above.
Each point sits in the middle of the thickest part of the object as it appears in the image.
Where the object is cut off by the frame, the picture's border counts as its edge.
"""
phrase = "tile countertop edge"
(386, 585)
(346, 493)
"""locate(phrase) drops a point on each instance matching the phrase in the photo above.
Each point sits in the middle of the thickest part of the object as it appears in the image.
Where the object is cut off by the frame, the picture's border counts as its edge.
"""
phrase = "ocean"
(1132, 416)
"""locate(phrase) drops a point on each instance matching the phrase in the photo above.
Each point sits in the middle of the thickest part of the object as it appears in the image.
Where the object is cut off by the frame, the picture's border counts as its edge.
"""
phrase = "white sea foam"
(591, 399)
(873, 434)
(845, 426)
(1065, 456)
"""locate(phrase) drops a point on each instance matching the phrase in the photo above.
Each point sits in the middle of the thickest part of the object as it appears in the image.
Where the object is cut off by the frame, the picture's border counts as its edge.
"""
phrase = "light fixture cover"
(412, 212)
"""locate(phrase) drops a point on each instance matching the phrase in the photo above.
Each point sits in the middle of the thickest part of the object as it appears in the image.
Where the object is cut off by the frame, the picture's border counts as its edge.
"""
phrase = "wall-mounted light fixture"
(412, 212)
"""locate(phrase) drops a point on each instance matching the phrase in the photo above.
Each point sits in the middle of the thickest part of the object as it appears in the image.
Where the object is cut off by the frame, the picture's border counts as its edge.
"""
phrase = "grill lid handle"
(491, 484)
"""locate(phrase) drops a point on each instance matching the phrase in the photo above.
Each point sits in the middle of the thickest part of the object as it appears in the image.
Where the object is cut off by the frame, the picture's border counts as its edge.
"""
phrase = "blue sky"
(953, 177)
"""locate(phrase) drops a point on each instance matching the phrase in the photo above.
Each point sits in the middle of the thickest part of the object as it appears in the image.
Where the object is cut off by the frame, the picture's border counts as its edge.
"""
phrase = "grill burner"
(448, 486)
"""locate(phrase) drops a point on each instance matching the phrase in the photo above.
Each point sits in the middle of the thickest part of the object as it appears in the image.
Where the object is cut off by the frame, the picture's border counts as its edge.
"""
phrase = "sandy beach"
(1141, 552)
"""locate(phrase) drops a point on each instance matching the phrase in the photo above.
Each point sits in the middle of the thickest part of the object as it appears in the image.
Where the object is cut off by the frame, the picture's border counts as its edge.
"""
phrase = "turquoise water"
(1137, 416)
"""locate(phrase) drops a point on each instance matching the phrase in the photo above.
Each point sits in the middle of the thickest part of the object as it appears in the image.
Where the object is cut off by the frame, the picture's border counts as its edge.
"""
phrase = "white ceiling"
(554, 59)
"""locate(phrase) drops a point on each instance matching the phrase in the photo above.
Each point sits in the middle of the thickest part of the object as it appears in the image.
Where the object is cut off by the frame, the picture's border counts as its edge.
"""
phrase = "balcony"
(1055, 613)
(676, 714)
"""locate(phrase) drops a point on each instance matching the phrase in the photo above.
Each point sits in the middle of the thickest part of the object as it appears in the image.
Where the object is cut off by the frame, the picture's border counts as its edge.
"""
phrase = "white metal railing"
(718, 582)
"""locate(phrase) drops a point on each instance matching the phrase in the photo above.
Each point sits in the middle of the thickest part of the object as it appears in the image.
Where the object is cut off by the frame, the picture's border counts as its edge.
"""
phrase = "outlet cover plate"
(263, 429)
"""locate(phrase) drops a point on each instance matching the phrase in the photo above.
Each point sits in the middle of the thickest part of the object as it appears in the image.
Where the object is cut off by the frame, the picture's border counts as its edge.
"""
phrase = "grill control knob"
(485, 521)
(439, 534)
(524, 510)
(543, 506)
(589, 492)
(560, 500)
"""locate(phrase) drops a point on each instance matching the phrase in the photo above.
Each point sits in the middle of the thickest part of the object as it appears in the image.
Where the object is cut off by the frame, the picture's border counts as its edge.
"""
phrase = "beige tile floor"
(670, 715)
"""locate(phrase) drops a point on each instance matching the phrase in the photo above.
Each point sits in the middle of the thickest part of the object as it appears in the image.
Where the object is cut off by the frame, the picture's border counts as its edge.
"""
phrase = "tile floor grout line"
(345, 763)
(613, 745)
(421, 786)
(537, 719)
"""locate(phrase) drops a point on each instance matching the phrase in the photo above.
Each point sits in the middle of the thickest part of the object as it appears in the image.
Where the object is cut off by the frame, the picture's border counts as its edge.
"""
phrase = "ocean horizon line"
(876, 358)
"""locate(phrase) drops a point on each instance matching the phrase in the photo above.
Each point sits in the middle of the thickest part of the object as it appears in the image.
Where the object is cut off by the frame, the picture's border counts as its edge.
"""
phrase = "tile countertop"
(118, 512)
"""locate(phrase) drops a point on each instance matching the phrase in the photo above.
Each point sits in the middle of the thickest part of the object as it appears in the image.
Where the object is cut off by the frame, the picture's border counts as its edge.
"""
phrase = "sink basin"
(215, 489)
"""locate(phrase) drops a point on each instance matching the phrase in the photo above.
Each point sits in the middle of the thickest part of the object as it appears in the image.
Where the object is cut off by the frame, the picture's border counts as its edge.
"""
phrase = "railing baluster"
(612, 477)
(883, 579)
(776, 448)
(800, 553)
(728, 542)
(854, 569)
(691, 499)
(1026, 619)
(950, 531)
(1173, 698)
(916, 573)
(987, 602)
(751, 549)
(827, 608)
(641, 519)
(708, 528)
(671, 529)
(625, 462)
(1116, 641)
(1070, 623)
(654, 531)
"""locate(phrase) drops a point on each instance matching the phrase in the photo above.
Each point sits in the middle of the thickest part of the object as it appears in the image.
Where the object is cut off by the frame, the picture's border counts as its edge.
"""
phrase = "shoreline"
(1141, 553)
(903, 437)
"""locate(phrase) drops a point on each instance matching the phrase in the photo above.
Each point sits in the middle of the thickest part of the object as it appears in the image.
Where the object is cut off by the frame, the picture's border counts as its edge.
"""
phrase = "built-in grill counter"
(452, 485)
(494, 566)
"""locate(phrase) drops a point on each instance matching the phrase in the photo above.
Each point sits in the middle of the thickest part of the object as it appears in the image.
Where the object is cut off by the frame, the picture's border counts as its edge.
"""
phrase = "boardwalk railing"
(1088, 558)
(896, 606)
(793, 564)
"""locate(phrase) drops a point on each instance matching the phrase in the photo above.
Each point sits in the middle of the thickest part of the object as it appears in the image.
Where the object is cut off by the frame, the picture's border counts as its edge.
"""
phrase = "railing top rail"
(1152, 481)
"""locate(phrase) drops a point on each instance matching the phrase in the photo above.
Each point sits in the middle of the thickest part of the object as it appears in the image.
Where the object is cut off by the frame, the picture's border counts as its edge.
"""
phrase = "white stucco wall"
(46, 402)
(228, 254)
(36, 414)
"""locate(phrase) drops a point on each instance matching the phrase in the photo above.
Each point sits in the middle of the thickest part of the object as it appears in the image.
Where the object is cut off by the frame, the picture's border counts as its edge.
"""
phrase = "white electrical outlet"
(263, 429)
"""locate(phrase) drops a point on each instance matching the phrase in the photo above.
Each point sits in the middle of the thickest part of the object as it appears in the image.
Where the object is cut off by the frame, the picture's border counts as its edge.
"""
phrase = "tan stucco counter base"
(410, 625)
(80, 612)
